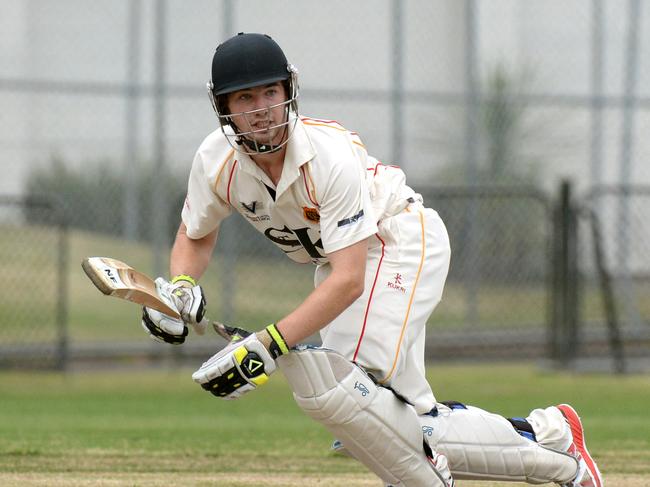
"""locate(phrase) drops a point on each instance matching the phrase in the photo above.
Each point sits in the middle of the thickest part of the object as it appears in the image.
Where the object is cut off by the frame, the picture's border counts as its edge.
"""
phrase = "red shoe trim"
(579, 440)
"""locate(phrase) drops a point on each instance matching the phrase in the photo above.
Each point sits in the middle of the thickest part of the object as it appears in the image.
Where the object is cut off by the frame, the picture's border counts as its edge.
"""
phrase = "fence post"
(62, 287)
(565, 279)
(607, 293)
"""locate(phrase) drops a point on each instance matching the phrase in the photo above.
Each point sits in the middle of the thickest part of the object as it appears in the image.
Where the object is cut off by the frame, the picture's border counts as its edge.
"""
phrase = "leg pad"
(378, 429)
(485, 446)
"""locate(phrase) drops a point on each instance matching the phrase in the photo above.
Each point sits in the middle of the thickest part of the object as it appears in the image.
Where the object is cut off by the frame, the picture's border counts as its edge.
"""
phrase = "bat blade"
(118, 279)
(115, 278)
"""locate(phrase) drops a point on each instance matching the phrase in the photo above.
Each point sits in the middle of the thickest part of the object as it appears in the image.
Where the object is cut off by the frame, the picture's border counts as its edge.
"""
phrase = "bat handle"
(227, 332)
(230, 332)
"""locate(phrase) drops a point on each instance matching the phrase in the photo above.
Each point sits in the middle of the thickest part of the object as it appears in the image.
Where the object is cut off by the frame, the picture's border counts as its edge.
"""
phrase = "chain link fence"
(496, 300)
(615, 274)
(33, 261)
(104, 106)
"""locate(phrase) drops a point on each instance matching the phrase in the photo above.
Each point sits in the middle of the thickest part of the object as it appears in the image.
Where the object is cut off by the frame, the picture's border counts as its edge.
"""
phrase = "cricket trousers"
(383, 331)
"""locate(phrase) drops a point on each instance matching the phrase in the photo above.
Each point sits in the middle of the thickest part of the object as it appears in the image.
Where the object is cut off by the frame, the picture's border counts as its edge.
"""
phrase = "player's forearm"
(324, 304)
(191, 256)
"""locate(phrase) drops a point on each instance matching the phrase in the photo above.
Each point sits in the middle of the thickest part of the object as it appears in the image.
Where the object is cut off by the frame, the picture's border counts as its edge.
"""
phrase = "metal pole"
(471, 160)
(158, 197)
(627, 149)
(397, 99)
(227, 238)
(131, 203)
(609, 302)
(564, 339)
(228, 15)
(472, 93)
(62, 286)
(596, 152)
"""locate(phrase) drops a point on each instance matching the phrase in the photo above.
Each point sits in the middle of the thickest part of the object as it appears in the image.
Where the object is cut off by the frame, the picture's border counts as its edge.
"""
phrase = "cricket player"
(381, 257)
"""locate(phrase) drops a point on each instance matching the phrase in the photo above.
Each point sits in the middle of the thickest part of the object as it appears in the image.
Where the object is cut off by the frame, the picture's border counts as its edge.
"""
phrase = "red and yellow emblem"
(311, 214)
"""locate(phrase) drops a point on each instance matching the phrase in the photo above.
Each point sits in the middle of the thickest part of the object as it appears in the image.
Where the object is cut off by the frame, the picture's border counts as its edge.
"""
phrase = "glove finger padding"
(162, 327)
(188, 299)
(237, 369)
(190, 302)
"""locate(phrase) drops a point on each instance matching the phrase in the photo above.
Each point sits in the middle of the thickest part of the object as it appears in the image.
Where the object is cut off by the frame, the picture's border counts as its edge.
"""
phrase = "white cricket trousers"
(384, 330)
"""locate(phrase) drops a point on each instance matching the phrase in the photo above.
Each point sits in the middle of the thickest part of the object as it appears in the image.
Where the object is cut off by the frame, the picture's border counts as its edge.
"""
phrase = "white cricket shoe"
(588, 473)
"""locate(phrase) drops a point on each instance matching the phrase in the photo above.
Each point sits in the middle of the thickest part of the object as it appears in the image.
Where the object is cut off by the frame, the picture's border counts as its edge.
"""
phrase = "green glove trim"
(184, 277)
(277, 346)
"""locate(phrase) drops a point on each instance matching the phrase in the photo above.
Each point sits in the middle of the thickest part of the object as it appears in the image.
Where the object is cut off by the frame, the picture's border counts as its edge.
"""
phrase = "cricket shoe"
(588, 473)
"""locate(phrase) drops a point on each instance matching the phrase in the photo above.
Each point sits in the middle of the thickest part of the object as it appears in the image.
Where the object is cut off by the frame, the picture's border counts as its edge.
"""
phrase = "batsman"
(381, 258)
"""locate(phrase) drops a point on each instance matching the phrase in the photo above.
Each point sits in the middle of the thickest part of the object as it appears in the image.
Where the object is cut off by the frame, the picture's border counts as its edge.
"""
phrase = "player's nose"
(260, 105)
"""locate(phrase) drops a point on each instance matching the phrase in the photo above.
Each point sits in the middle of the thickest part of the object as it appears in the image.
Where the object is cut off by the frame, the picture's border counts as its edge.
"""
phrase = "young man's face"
(259, 112)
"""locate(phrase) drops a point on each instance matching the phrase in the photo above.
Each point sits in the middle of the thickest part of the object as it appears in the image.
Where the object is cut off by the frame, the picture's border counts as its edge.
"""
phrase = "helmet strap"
(256, 146)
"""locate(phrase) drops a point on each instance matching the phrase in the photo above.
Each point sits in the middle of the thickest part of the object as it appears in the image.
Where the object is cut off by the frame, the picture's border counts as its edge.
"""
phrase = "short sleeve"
(203, 210)
(346, 214)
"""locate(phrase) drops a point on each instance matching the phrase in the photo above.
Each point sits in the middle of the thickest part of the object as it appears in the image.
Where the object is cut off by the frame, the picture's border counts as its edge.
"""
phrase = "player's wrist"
(273, 341)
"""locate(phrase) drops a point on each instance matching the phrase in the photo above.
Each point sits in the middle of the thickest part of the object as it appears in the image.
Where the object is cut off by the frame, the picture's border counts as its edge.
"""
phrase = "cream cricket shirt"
(331, 193)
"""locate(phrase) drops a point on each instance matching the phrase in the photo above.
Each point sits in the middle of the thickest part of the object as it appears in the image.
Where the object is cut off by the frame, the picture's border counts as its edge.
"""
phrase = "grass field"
(156, 427)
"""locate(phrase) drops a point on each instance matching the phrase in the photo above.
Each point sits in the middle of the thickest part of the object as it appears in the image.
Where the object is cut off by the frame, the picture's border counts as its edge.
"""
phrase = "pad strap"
(523, 427)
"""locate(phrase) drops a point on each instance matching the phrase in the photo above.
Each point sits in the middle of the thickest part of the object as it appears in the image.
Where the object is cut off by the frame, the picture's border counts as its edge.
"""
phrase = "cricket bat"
(116, 278)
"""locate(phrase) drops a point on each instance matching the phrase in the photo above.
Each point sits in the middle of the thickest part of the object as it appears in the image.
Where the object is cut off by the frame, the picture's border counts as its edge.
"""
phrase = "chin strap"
(261, 148)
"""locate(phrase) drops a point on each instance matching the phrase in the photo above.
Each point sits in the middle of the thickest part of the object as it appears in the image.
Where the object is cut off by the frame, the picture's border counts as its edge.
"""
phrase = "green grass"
(130, 423)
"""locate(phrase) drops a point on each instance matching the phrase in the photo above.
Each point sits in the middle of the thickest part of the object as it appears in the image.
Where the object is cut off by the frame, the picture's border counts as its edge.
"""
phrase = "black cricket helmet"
(244, 61)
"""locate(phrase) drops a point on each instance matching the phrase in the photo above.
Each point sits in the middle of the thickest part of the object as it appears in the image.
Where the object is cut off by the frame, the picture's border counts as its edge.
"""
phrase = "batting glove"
(163, 328)
(183, 295)
(243, 365)
(188, 298)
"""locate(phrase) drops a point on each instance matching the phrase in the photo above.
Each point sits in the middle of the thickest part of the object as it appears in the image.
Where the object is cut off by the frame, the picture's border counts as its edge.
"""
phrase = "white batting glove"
(187, 296)
(162, 327)
(243, 365)
(182, 295)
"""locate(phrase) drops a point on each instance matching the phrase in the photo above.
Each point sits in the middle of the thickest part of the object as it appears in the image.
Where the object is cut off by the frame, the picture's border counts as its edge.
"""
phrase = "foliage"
(503, 132)
(94, 195)
(500, 237)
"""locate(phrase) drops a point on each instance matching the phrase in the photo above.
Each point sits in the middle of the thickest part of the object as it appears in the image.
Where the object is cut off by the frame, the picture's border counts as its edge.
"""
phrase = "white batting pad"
(380, 431)
(483, 446)
(551, 428)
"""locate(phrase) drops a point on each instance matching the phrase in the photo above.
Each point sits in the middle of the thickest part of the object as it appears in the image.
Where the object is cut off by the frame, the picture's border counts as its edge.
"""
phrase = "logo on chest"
(251, 209)
(311, 214)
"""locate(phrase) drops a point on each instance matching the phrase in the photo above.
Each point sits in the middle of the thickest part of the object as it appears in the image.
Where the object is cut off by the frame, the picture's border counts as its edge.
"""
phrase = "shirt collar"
(300, 150)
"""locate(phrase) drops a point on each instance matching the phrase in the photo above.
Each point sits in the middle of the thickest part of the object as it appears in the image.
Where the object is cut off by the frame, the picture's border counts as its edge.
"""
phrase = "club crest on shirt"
(311, 214)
